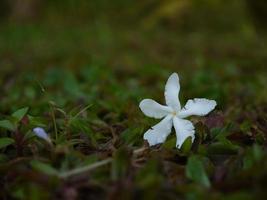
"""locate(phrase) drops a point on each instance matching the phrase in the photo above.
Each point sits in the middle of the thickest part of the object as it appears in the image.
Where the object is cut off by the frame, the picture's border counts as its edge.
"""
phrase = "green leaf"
(245, 126)
(6, 124)
(43, 167)
(149, 175)
(257, 152)
(170, 143)
(71, 85)
(4, 142)
(186, 146)
(253, 156)
(120, 163)
(222, 148)
(131, 135)
(195, 171)
(37, 121)
(19, 114)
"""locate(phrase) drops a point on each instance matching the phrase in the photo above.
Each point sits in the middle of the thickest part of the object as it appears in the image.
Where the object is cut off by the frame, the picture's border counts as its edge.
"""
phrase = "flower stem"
(54, 120)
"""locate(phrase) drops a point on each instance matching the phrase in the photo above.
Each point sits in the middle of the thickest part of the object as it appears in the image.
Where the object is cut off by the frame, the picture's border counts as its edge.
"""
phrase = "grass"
(83, 82)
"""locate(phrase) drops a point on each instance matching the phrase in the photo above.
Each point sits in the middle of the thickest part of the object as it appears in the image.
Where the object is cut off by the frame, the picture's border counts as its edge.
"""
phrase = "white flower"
(173, 114)
(40, 132)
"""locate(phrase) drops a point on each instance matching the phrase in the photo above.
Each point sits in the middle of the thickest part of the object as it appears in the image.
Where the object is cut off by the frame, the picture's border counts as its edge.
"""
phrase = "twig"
(85, 168)
(140, 150)
(95, 165)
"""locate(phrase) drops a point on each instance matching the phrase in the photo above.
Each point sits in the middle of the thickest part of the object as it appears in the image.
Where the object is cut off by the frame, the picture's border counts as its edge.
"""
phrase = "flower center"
(174, 113)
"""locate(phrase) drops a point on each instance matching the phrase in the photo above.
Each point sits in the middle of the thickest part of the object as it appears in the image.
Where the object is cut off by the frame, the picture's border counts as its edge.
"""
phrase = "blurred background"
(204, 40)
(58, 45)
(127, 34)
(99, 26)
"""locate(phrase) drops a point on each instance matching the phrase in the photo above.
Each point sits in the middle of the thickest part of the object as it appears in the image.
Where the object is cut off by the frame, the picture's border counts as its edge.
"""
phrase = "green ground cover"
(82, 82)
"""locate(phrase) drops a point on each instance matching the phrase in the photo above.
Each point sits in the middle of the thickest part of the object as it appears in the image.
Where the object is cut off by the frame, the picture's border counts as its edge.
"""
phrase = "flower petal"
(198, 107)
(40, 132)
(172, 89)
(158, 133)
(184, 129)
(153, 109)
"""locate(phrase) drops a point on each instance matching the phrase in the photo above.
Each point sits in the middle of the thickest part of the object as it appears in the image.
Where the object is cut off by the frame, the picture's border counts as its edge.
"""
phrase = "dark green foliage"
(196, 172)
(80, 72)
(5, 141)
